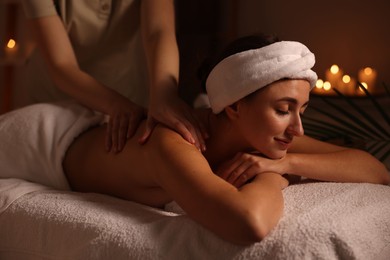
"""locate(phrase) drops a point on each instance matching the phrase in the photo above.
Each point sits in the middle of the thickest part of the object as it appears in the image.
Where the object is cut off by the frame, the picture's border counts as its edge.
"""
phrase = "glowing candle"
(11, 49)
(348, 85)
(318, 89)
(360, 91)
(368, 75)
(11, 44)
(333, 75)
(327, 86)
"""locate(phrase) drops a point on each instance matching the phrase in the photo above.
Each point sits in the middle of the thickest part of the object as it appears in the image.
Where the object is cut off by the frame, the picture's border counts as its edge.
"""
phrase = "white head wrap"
(243, 73)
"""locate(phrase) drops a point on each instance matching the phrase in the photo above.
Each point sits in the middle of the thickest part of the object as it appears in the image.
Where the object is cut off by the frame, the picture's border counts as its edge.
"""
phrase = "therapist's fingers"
(122, 131)
(108, 140)
(121, 127)
(197, 129)
(115, 133)
(150, 124)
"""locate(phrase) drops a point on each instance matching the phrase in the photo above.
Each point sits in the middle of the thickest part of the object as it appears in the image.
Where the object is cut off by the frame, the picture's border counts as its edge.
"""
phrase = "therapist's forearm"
(160, 44)
(163, 64)
(84, 88)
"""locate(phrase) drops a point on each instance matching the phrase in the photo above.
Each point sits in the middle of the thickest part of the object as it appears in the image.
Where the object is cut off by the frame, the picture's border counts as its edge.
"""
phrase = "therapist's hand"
(173, 112)
(124, 119)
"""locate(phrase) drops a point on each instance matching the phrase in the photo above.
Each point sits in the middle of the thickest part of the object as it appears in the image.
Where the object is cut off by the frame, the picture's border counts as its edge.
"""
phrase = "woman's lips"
(283, 143)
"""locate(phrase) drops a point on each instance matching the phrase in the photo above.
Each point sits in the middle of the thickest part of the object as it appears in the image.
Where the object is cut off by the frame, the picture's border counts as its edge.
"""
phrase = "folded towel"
(245, 72)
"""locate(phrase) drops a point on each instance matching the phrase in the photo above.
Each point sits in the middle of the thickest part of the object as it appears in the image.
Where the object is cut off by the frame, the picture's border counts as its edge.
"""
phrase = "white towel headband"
(243, 73)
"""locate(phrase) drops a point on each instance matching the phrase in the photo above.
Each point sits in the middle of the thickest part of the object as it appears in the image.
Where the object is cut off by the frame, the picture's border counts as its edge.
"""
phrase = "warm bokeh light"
(327, 85)
(346, 79)
(334, 69)
(344, 83)
(364, 85)
(367, 71)
(319, 83)
(11, 44)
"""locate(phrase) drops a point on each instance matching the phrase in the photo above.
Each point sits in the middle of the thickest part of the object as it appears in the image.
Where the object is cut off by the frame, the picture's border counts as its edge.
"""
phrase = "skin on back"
(90, 168)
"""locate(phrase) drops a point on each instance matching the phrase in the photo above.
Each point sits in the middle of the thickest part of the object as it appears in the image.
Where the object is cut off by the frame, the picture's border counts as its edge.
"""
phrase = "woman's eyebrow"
(292, 100)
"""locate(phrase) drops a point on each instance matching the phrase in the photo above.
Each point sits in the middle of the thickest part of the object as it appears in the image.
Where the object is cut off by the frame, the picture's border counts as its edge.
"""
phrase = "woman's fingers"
(239, 172)
(226, 169)
(245, 176)
(240, 169)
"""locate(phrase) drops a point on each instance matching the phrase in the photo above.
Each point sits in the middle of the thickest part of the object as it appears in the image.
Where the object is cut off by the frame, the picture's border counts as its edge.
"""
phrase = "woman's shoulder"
(167, 143)
(163, 134)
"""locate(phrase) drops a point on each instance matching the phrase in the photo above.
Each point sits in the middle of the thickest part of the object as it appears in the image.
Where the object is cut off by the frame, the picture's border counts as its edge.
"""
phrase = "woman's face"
(271, 118)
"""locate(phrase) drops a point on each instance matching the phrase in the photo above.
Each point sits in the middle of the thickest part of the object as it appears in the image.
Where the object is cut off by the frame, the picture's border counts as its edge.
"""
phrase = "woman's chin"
(275, 155)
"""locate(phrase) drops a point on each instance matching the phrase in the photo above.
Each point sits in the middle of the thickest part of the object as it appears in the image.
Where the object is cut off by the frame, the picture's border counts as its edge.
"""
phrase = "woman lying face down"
(258, 90)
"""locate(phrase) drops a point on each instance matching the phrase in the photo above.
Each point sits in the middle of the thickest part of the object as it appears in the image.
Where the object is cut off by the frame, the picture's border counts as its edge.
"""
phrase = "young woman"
(258, 90)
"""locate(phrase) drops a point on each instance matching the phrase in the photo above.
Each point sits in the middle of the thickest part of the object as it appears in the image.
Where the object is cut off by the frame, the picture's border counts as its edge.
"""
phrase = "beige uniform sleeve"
(38, 8)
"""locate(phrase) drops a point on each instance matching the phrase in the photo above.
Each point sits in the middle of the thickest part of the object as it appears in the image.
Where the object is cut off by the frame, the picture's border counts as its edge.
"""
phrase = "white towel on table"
(321, 221)
(33, 142)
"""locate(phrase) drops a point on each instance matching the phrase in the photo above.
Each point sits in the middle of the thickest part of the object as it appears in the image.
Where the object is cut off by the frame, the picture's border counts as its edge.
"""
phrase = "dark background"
(350, 33)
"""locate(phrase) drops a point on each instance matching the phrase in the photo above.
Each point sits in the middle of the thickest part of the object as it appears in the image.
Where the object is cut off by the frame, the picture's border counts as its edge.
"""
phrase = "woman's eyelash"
(282, 112)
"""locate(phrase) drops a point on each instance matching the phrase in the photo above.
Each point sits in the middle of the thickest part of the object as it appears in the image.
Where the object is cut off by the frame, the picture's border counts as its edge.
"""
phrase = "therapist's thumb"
(150, 124)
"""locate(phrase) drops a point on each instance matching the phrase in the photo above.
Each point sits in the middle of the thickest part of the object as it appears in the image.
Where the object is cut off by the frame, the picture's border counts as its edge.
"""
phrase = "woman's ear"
(233, 111)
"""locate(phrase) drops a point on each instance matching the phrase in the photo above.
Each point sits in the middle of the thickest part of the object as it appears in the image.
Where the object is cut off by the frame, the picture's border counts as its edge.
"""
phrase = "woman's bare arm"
(323, 161)
(309, 158)
(242, 216)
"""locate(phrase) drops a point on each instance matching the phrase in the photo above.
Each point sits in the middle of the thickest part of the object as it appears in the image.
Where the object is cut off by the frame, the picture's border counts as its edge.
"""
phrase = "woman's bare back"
(90, 168)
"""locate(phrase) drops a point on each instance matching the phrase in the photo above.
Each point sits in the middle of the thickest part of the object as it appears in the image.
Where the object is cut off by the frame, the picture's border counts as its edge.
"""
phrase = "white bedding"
(320, 221)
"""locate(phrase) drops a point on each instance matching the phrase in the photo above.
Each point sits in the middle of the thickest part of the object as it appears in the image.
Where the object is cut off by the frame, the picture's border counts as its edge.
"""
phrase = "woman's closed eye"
(282, 112)
(286, 111)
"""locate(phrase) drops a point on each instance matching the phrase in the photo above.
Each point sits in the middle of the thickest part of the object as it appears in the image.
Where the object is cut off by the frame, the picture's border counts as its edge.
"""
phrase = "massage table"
(321, 220)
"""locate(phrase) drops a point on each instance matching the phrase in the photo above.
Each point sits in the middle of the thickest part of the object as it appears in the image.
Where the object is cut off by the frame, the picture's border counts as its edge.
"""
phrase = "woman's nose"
(296, 127)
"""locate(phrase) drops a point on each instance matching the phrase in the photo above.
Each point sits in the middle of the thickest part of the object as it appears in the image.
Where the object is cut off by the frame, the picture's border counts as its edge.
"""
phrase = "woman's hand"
(125, 117)
(177, 115)
(245, 166)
